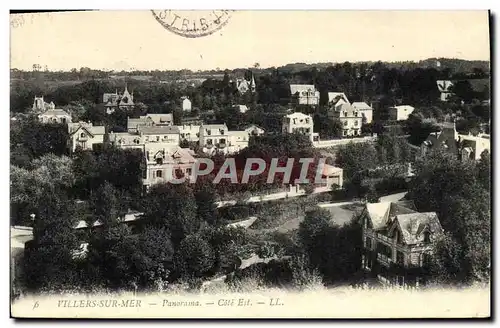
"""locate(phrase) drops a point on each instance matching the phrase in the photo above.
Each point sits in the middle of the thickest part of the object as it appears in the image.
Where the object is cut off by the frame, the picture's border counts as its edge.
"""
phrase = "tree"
(173, 207)
(48, 174)
(205, 200)
(195, 256)
(451, 188)
(314, 223)
(484, 170)
(105, 204)
(356, 157)
(50, 263)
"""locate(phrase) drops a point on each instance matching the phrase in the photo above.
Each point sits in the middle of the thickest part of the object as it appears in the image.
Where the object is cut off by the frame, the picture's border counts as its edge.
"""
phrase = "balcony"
(385, 238)
(384, 260)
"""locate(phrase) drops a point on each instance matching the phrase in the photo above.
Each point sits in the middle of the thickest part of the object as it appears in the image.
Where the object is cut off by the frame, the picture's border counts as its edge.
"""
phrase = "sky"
(124, 40)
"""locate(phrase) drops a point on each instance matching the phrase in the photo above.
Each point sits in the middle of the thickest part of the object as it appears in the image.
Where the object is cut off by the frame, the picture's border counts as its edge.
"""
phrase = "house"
(149, 120)
(159, 119)
(298, 123)
(40, 106)
(350, 119)
(254, 130)
(113, 101)
(446, 139)
(471, 147)
(213, 136)
(164, 164)
(189, 132)
(208, 116)
(241, 108)
(337, 98)
(400, 113)
(333, 176)
(398, 242)
(193, 120)
(463, 146)
(85, 136)
(244, 85)
(304, 94)
(55, 116)
(186, 104)
(365, 110)
(445, 88)
(238, 140)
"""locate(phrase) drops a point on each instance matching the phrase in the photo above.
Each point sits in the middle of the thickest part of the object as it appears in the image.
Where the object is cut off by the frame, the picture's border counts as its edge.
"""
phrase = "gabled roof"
(158, 129)
(89, 128)
(404, 108)
(159, 118)
(298, 115)
(445, 139)
(444, 85)
(329, 170)
(381, 213)
(361, 106)
(413, 226)
(214, 126)
(346, 107)
(54, 112)
(253, 126)
(332, 96)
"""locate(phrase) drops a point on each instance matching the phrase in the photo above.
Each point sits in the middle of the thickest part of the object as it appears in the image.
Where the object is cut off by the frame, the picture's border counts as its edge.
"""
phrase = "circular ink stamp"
(192, 23)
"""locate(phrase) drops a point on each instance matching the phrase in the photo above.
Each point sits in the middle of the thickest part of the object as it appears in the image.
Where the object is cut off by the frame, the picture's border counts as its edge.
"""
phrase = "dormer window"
(427, 237)
(159, 161)
(221, 131)
(209, 132)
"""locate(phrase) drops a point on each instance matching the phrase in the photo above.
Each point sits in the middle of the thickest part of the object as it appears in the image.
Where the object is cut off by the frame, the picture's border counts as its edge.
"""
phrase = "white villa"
(85, 135)
(55, 116)
(304, 94)
(365, 110)
(400, 113)
(298, 123)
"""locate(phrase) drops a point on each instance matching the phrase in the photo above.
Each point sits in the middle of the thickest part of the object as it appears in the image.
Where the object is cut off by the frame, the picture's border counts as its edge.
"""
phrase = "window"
(356, 123)
(209, 132)
(368, 243)
(159, 173)
(307, 120)
(209, 141)
(427, 237)
(384, 250)
(400, 258)
(345, 133)
(345, 114)
(306, 130)
(221, 131)
(159, 161)
(82, 135)
(222, 141)
(345, 123)
(188, 171)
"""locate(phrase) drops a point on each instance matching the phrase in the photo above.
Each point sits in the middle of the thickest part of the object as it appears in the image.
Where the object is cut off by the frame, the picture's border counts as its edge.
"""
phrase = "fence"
(341, 142)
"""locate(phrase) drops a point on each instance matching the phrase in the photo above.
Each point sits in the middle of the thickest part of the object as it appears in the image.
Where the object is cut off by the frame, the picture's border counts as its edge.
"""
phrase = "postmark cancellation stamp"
(192, 23)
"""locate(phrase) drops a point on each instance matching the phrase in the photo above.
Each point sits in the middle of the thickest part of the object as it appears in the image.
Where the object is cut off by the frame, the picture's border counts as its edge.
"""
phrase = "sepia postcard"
(250, 164)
